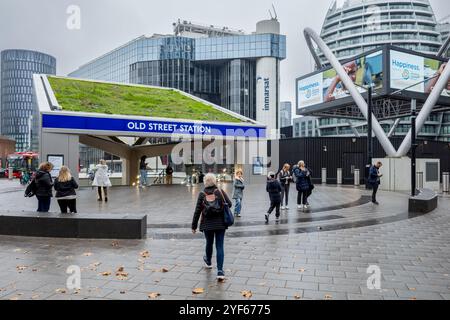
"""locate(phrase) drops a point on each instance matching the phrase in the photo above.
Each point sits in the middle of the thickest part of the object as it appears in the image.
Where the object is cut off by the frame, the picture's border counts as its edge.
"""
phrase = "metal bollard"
(357, 174)
(324, 175)
(339, 176)
(10, 173)
(445, 181)
(419, 180)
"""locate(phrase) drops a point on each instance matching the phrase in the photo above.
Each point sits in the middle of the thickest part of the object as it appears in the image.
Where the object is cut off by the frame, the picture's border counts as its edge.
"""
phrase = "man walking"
(374, 180)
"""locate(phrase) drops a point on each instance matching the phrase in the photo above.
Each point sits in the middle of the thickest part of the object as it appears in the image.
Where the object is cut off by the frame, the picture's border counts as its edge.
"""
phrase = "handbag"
(228, 215)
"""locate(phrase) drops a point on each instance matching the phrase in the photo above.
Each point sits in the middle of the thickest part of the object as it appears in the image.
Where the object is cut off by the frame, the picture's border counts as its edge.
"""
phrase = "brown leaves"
(297, 297)
(198, 291)
(21, 268)
(61, 290)
(246, 294)
(121, 274)
(94, 266)
(145, 254)
(302, 270)
(115, 244)
(153, 295)
(328, 297)
(106, 273)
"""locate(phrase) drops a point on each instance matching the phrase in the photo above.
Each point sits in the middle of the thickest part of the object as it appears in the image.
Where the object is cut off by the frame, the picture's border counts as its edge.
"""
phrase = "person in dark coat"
(65, 186)
(374, 180)
(303, 184)
(212, 223)
(44, 185)
(274, 189)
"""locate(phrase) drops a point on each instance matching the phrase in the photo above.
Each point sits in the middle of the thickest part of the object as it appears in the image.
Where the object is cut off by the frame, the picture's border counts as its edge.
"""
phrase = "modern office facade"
(285, 114)
(352, 27)
(237, 71)
(444, 29)
(17, 111)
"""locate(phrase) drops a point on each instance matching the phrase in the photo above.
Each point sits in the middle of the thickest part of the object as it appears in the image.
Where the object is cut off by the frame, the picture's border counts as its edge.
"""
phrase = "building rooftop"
(123, 99)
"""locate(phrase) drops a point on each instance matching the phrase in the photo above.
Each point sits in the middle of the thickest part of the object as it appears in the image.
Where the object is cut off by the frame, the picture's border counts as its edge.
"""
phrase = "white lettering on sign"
(169, 127)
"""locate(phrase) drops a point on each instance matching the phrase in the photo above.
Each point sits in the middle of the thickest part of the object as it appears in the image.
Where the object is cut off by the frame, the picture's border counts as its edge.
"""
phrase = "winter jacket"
(273, 187)
(239, 187)
(66, 189)
(101, 178)
(285, 177)
(303, 180)
(374, 179)
(209, 222)
(44, 184)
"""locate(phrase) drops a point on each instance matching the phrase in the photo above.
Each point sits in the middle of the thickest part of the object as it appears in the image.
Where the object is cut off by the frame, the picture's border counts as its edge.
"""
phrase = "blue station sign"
(169, 127)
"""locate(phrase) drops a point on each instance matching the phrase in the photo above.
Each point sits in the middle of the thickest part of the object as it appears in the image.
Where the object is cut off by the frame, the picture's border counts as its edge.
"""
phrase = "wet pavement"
(322, 254)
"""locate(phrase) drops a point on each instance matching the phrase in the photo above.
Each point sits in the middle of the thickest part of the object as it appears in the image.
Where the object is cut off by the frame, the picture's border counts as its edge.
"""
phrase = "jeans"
(237, 206)
(302, 196)
(43, 204)
(374, 192)
(68, 203)
(274, 205)
(143, 179)
(220, 255)
(285, 193)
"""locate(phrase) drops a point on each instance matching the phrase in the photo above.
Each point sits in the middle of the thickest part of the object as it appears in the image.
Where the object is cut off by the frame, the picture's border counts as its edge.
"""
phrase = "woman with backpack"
(44, 186)
(210, 207)
(65, 186)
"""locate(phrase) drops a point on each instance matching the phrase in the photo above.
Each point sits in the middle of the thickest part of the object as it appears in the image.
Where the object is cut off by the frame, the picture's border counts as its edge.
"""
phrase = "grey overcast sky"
(106, 24)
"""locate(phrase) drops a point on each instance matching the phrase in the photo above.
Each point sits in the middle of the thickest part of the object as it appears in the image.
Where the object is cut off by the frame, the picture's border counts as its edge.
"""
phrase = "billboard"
(326, 86)
(415, 73)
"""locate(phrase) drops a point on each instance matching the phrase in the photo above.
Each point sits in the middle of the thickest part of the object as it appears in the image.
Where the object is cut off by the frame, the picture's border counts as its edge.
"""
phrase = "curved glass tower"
(354, 26)
(17, 69)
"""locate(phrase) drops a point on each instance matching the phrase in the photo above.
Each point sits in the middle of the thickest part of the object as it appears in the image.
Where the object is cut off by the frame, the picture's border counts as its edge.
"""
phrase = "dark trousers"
(274, 205)
(99, 192)
(374, 192)
(220, 253)
(43, 204)
(70, 204)
(285, 194)
(302, 197)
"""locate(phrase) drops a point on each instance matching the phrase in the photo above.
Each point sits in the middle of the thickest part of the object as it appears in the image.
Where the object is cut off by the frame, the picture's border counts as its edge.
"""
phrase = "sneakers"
(300, 206)
(286, 208)
(220, 275)
(266, 216)
(208, 265)
(375, 202)
(283, 207)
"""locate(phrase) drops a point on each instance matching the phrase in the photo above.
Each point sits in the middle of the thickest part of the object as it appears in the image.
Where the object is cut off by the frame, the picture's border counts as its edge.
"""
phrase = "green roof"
(107, 98)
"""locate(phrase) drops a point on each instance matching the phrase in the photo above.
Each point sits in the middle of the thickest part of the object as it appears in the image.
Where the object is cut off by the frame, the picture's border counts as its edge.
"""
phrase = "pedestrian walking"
(238, 192)
(273, 187)
(285, 177)
(143, 170)
(210, 207)
(169, 174)
(375, 180)
(44, 186)
(65, 186)
(303, 184)
(101, 180)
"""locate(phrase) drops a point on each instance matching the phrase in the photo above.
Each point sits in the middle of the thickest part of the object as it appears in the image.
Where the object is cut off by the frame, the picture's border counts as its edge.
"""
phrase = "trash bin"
(357, 175)
(419, 180)
(324, 175)
(339, 176)
(445, 181)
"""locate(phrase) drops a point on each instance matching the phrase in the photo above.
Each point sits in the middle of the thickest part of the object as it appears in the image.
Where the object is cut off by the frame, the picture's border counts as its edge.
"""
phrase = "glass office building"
(355, 26)
(216, 64)
(285, 114)
(444, 29)
(17, 69)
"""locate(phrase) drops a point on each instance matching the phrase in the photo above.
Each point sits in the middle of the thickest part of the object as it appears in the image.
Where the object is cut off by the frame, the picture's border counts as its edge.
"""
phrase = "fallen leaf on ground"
(145, 254)
(36, 296)
(246, 293)
(141, 268)
(413, 298)
(34, 270)
(164, 270)
(153, 295)
(21, 268)
(198, 290)
(106, 273)
(302, 270)
(328, 297)
(122, 292)
(115, 244)
(412, 289)
(121, 274)
(297, 297)
(87, 254)
(61, 290)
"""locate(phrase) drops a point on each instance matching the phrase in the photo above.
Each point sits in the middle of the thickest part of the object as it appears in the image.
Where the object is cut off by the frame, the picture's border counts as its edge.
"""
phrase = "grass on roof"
(85, 96)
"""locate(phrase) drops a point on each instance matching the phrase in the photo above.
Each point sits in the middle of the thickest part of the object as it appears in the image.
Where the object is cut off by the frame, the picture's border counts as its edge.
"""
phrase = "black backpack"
(31, 189)
(212, 204)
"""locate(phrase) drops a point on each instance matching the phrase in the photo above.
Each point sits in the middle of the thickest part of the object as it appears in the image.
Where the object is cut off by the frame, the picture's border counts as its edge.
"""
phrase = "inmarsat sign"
(266, 94)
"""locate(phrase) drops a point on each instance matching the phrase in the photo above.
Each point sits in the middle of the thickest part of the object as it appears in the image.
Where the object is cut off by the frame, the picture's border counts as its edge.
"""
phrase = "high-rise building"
(227, 67)
(355, 26)
(285, 114)
(444, 29)
(352, 27)
(17, 69)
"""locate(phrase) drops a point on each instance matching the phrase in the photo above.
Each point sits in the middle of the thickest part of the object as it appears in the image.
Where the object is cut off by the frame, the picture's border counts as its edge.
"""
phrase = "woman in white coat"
(101, 180)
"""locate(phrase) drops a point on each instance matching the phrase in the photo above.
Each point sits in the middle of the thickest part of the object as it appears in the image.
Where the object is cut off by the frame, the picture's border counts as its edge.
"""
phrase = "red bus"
(20, 162)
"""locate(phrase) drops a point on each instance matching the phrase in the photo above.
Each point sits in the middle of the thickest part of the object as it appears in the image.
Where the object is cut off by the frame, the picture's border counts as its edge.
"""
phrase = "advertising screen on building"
(415, 73)
(326, 86)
